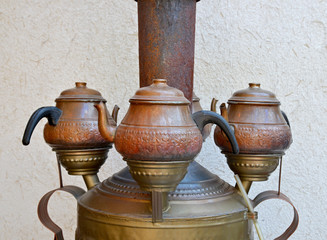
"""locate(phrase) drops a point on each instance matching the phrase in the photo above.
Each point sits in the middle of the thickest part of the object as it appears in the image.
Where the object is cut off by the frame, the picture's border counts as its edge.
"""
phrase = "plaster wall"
(46, 46)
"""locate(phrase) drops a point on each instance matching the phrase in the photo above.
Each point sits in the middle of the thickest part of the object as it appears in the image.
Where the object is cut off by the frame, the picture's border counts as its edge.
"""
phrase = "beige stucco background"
(45, 46)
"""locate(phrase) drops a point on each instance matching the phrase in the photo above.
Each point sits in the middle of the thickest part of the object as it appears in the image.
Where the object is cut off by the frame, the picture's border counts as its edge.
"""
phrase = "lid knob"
(159, 81)
(80, 84)
(159, 91)
(254, 94)
(80, 93)
(254, 85)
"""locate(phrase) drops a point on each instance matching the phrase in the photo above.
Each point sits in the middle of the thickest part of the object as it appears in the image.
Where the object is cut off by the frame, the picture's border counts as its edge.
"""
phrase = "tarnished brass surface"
(158, 139)
(226, 227)
(202, 207)
(198, 184)
(82, 162)
(91, 180)
(246, 185)
(85, 162)
(258, 122)
(253, 167)
(158, 176)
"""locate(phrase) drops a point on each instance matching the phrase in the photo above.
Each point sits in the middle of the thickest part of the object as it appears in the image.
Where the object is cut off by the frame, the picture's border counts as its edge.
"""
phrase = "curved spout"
(213, 106)
(106, 130)
(114, 113)
(223, 111)
(202, 118)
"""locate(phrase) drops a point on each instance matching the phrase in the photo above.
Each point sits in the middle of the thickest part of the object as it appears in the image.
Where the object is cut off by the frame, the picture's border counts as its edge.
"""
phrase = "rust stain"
(166, 43)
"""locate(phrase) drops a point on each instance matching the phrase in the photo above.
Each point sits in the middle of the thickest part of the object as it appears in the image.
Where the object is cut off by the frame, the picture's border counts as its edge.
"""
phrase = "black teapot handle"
(286, 118)
(51, 113)
(202, 118)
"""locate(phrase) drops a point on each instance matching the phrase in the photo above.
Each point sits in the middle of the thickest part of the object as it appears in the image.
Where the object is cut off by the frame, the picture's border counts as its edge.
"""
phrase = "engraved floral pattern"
(257, 139)
(68, 134)
(158, 143)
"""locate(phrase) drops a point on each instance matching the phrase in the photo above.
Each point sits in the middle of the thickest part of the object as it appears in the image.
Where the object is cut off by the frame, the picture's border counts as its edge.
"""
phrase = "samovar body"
(202, 207)
(163, 193)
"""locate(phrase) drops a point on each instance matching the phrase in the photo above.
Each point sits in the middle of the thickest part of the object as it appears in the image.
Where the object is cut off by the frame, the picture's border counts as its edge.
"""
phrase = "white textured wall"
(45, 46)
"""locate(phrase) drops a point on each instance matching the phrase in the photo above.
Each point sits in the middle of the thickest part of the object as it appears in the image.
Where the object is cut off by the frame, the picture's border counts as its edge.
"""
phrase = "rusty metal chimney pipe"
(166, 42)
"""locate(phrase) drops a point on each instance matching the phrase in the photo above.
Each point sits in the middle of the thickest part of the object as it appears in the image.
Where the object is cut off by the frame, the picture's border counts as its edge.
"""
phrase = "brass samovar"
(163, 193)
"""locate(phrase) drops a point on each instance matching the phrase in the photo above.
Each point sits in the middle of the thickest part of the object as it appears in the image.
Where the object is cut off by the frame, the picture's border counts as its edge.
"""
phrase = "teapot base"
(253, 167)
(82, 161)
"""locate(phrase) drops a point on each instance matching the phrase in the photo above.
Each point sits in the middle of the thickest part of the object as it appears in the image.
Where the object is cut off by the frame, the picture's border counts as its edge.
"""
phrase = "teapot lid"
(254, 95)
(159, 93)
(80, 93)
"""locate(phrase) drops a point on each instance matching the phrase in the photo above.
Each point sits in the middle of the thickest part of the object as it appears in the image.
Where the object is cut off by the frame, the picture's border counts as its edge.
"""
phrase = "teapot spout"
(213, 106)
(223, 111)
(107, 126)
(114, 113)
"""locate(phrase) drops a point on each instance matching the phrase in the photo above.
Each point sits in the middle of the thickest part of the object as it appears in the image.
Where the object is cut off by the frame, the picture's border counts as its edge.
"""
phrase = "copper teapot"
(158, 138)
(259, 125)
(158, 130)
(72, 131)
(261, 129)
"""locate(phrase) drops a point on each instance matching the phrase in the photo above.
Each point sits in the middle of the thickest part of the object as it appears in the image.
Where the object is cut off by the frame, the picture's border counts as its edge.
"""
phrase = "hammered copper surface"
(258, 123)
(77, 127)
(158, 126)
(75, 137)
